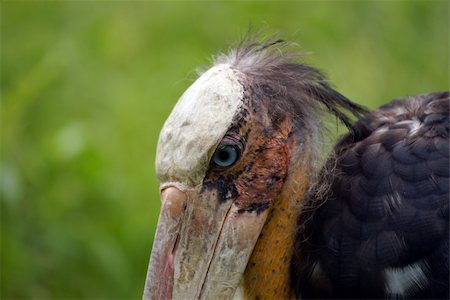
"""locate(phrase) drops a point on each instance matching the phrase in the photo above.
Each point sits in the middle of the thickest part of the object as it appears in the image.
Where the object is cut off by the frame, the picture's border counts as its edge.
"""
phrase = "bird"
(253, 208)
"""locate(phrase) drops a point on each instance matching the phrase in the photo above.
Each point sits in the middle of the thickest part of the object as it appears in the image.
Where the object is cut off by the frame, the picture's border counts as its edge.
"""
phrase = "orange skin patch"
(268, 160)
(262, 181)
(267, 275)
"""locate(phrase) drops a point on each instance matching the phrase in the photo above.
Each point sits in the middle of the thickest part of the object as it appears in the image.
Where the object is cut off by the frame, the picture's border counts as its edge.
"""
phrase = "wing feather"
(382, 230)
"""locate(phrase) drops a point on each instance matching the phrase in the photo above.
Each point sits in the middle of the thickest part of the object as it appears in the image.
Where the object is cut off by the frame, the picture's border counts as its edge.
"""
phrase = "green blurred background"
(86, 87)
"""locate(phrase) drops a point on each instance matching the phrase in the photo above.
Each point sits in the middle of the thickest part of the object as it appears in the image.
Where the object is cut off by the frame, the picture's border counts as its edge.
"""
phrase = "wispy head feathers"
(274, 69)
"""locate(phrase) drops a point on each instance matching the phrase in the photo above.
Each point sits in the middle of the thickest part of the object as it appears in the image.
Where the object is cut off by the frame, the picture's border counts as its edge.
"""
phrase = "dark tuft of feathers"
(274, 70)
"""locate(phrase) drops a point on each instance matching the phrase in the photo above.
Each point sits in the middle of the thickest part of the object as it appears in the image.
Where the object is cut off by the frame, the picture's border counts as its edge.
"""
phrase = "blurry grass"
(86, 87)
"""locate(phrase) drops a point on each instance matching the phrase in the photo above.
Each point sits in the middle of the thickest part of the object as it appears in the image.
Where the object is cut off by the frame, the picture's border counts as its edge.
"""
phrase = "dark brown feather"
(385, 209)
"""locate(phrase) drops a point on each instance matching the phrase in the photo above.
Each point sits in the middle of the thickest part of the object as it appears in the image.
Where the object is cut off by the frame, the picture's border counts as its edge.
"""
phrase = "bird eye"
(225, 156)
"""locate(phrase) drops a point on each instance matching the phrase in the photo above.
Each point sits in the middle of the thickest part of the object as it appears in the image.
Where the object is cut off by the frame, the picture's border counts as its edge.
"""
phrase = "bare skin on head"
(245, 208)
(241, 196)
(243, 102)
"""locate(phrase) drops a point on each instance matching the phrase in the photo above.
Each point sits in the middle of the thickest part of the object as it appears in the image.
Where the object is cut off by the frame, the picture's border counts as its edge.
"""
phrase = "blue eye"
(225, 156)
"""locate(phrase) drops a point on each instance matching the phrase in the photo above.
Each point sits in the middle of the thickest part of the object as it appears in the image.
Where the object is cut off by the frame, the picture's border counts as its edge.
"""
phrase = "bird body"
(248, 212)
(381, 229)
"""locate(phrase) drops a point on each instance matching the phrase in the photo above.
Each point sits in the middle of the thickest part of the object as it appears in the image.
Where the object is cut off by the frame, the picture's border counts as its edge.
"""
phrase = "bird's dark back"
(380, 223)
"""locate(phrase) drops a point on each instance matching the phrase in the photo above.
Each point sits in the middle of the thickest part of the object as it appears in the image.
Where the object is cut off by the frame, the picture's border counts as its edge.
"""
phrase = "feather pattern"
(381, 229)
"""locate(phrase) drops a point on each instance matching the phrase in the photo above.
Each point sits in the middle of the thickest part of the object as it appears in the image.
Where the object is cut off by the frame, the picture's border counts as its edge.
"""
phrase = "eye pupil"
(225, 156)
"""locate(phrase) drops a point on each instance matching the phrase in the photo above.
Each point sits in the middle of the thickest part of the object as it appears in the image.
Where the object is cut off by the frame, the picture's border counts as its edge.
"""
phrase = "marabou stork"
(248, 212)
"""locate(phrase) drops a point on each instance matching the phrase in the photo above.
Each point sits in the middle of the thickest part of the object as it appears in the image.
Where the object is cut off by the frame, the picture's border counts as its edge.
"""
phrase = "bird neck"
(267, 275)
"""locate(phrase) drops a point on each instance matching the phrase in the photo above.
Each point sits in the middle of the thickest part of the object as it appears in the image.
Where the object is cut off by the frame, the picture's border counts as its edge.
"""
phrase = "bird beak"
(202, 245)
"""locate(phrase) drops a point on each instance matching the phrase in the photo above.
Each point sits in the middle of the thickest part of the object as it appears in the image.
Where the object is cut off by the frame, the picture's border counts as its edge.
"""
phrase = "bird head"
(237, 145)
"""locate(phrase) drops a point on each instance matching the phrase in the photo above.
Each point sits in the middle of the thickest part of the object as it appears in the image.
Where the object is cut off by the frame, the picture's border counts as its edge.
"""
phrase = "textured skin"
(381, 206)
(193, 131)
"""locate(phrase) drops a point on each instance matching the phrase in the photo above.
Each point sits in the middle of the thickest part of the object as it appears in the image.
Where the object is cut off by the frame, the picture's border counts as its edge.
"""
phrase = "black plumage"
(381, 228)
